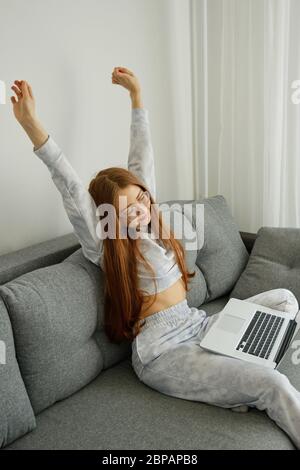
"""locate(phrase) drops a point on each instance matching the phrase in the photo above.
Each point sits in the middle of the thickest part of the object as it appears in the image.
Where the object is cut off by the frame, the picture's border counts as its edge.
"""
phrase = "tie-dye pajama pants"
(166, 356)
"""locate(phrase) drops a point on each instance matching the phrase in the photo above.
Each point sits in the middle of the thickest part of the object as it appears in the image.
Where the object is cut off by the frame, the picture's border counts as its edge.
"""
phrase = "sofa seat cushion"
(117, 411)
(215, 306)
(16, 413)
(274, 263)
(53, 312)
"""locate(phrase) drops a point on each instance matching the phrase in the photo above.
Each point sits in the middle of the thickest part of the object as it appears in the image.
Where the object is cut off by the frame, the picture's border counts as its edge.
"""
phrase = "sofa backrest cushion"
(112, 353)
(180, 217)
(223, 256)
(16, 413)
(53, 312)
(274, 263)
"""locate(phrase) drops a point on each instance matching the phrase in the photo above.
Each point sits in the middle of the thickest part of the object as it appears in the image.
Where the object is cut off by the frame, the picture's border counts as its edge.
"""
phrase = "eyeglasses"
(131, 211)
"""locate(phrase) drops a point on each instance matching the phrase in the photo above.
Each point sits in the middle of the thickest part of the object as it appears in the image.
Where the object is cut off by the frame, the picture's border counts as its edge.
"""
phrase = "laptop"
(251, 332)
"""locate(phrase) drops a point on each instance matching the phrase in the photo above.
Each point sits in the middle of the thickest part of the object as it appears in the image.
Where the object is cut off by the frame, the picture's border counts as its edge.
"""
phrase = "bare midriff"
(165, 299)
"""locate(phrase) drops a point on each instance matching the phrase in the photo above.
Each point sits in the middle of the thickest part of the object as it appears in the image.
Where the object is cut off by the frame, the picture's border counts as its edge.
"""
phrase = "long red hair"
(123, 299)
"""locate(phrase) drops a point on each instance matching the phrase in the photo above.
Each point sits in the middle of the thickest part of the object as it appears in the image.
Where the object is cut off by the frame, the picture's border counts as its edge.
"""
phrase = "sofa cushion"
(223, 256)
(118, 411)
(273, 263)
(16, 414)
(180, 217)
(53, 312)
(215, 306)
(112, 353)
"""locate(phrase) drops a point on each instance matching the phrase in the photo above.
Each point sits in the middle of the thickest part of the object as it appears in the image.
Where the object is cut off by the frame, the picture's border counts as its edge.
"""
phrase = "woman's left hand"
(126, 78)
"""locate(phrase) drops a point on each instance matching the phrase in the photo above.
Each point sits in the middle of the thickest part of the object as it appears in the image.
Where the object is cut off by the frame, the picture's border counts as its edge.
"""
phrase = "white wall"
(67, 50)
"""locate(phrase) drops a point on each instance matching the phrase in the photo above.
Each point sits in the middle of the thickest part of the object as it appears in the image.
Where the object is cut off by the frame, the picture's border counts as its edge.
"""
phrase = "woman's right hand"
(24, 105)
(24, 111)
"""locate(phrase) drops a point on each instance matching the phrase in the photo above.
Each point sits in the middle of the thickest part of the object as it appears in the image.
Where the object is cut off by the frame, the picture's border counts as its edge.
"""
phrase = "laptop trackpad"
(230, 323)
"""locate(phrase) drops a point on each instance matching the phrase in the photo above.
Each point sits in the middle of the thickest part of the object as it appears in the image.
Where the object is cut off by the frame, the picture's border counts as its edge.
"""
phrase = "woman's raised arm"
(141, 155)
(77, 201)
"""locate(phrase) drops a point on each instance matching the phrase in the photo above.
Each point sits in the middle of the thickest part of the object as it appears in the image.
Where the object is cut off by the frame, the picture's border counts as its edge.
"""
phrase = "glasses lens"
(132, 211)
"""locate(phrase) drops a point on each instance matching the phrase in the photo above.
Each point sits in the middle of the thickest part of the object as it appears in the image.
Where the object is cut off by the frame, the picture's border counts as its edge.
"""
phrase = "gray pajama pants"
(167, 357)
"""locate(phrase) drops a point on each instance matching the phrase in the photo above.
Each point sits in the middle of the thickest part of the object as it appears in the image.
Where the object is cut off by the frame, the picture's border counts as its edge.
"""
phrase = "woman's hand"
(23, 102)
(127, 79)
(24, 111)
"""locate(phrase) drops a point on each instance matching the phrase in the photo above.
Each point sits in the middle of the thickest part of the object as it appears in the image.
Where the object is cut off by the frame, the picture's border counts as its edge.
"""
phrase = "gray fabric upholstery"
(223, 256)
(248, 240)
(112, 353)
(215, 306)
(36, 256)
(53, 312)
(117, 411)
(273, 263)
(16, 414)
(179, 215)
(197, 288)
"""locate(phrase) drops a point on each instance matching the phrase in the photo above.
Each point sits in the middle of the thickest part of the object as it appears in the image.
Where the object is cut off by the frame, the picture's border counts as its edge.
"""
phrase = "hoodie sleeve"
(141, 157)
(78, 203)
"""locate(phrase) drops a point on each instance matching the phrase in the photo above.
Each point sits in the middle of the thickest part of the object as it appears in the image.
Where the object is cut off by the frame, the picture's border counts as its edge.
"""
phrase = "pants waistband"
(166, 316)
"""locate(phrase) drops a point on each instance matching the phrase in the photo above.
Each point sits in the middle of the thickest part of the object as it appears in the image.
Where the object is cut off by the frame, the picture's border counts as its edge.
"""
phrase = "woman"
(146, 279)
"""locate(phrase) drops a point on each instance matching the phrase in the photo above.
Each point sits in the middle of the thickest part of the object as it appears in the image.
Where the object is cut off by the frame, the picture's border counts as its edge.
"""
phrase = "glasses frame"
(144, 199)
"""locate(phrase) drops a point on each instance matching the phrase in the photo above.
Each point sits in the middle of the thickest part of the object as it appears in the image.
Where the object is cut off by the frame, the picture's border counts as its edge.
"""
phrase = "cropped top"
(81, 208)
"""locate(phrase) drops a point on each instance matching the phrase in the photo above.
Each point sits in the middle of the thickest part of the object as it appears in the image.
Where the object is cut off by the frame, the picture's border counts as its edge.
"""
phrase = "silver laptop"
(251, 332)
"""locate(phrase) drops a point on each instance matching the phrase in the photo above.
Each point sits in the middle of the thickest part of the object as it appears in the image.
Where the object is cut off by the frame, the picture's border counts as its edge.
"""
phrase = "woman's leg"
(279, 299)
(188, 371)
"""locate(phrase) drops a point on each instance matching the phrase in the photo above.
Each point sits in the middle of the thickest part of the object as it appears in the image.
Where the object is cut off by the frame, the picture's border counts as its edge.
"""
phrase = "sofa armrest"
(37, 256)
(248, 239)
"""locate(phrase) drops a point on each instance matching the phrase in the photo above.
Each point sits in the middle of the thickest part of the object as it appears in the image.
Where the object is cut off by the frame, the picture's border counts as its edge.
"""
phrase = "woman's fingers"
(28, 88)
(24, 89)
(30, 91)
(115, 75)
(118, 71)
(124, 69)
(21, 88)
(17, 91)
(17, 83)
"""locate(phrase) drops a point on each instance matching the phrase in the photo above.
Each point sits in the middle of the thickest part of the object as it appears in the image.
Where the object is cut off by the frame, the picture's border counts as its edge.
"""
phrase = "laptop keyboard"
(261, 334)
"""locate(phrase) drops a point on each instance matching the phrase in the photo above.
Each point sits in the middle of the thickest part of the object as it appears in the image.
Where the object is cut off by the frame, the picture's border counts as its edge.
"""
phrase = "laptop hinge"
(289, 333)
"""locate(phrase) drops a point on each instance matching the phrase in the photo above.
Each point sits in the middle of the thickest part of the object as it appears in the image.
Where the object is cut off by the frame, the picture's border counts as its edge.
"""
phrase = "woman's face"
(136, 209)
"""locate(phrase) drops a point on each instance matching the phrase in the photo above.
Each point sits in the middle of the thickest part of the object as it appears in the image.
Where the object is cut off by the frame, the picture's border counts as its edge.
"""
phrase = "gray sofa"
(65, 386)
